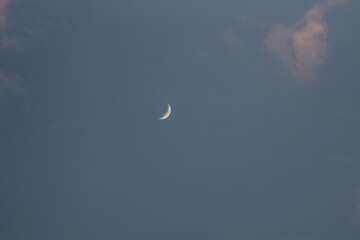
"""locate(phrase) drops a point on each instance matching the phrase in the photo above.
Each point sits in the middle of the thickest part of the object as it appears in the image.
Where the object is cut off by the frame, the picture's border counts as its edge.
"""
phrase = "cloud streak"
(302, 47)
(4, 5)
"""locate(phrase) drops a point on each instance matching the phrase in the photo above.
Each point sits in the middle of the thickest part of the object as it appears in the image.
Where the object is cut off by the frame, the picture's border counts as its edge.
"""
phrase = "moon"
(167, 114)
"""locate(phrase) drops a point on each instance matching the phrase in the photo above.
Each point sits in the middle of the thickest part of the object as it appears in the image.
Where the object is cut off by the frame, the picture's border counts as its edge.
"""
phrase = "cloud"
(4, 4)
(8, 42)
(302, 48)
(232, 39)
(5, 40)
(10, 84)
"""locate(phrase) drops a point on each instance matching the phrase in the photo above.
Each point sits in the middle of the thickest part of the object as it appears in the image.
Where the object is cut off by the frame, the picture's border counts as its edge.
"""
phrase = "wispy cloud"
(302, 47)
(10, 84)
(232, 39)
(8, 42)
(4, 4)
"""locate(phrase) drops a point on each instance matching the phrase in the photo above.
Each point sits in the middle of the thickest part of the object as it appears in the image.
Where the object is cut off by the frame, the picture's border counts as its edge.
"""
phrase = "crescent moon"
(167, 114)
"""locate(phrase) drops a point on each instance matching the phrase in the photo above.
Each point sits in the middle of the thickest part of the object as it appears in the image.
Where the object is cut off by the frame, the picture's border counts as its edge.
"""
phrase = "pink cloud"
(302, 47)
(4, 13)
(7, 42)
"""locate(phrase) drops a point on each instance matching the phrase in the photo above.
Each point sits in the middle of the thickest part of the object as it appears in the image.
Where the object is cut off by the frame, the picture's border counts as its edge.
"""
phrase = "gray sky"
(263, 139)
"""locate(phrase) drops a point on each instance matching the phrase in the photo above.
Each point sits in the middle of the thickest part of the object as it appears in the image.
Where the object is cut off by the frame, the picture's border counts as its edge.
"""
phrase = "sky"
(262, 142)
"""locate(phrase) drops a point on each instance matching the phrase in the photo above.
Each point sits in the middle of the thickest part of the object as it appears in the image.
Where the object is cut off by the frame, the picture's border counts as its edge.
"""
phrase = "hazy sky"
(262, 143)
